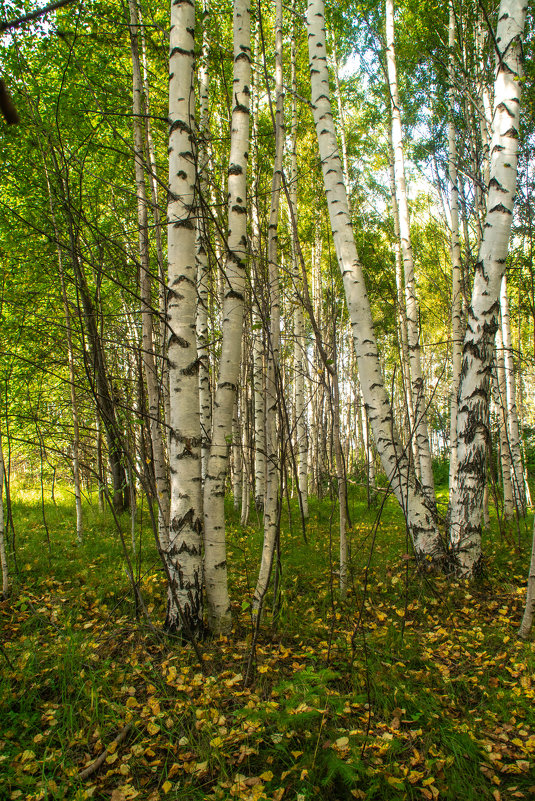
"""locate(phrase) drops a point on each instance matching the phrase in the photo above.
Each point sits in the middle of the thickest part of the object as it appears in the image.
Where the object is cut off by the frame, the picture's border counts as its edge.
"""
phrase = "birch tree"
(184, 555)
(203, 267)
(298, 316)
(420, 433)
(420, 520)
(483, 313)
(233, 304)
(513, 428)
(455, 246)
(273, 378)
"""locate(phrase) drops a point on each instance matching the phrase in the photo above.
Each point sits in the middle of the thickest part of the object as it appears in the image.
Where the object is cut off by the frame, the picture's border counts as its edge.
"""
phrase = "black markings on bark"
(495, 184)
(193, 369)
(501, 208)
(180, 125)
(174, 339)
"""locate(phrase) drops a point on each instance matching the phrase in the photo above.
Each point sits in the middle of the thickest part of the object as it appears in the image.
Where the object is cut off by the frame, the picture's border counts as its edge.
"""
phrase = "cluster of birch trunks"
(210, 420)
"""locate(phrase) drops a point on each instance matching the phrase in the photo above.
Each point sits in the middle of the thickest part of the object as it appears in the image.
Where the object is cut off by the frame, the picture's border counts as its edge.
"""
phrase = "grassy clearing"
(414, 687)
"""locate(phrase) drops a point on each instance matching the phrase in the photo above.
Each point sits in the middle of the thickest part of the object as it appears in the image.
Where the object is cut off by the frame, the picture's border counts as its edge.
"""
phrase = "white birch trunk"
(186, 525)
(457, 331)
(236, 457)
(501, 407)
(258, 318)
(245, 445)
(420, 520)
(483, 314)
(402, 315)
(421, 433)
(203, 276)
(259, 409)
(233, 303)
(273, 377)
(513, 430)
(147, 350)
(3, 554)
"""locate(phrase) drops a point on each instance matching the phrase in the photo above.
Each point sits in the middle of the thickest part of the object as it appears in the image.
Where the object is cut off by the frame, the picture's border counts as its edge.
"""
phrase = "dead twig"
(99, 761)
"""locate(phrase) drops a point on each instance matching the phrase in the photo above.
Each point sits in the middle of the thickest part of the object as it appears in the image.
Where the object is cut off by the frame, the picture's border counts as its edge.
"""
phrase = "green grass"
(413, 687)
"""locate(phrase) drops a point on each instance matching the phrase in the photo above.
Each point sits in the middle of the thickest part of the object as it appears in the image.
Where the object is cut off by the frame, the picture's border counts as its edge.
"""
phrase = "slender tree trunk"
(236, 456)
(101, 477)
(457, 328)
(3, 554)
(258, 314)
(74, 406)
(513, 431)
(72, 375)
(246, 448)
(340, 472)
(483, 313)
(184, 608)
(148, 353)
(273, 378)
(233, 304)
(421, 433)
(152, 174)
(203, 267)
(529, 611)
(420, 519)
(402, 315)
(505, 448)
(298, 316)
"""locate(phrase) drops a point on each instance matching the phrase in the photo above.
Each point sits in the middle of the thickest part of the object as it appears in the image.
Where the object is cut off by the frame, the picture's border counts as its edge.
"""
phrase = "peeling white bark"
(457, 328)
(513, 430)
(420, 520)
(483, 313)
(185, 548)
(421, 433)
(273, 377)
(203, 267)
(233, 302)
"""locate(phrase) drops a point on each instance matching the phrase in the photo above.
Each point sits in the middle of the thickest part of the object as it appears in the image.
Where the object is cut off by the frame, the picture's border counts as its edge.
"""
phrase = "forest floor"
(413, 687)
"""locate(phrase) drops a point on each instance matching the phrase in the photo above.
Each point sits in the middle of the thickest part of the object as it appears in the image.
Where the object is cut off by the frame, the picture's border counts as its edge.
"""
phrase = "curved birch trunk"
(421, 433)
(420, 519)
(483, 313)
(233, 302)
(184, 557)
(148, 354)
